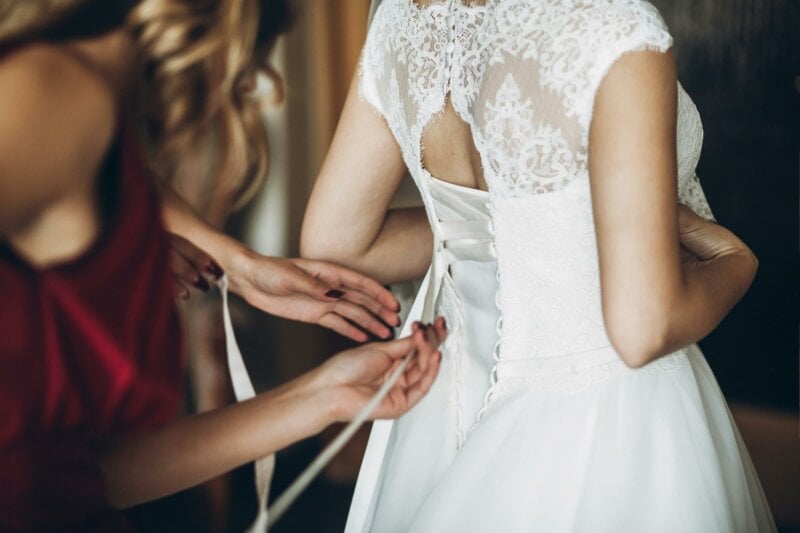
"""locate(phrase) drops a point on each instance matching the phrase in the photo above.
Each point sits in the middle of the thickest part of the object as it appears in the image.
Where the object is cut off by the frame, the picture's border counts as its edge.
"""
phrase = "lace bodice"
(523, 74)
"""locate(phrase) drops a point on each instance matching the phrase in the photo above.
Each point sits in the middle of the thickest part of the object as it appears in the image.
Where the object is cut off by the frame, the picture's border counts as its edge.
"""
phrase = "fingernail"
(334, 293)
(185, 295)
(398, 322)
(214, 269)
(201, 284)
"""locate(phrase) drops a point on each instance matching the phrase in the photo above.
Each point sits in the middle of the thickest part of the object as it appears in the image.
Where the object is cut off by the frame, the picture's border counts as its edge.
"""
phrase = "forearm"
(399, 251)
(198, 448)
(703, 297)
(180, 218)
(710, 290)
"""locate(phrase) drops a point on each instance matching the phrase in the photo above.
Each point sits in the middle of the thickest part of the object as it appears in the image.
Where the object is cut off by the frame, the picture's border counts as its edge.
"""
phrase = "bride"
(555, 154)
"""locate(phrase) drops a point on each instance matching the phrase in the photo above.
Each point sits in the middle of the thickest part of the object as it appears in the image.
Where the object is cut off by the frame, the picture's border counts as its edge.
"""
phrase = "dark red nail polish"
(215, 270)
(444, 322)
(201, 284)
(334, 293)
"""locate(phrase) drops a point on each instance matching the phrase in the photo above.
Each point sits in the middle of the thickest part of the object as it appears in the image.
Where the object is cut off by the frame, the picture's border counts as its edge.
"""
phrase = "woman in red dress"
(90, 348)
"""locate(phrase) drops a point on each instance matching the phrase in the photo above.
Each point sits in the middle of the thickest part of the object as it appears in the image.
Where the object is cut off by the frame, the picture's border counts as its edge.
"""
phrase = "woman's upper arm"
(361, 172)
(57, 122)
(632, 169)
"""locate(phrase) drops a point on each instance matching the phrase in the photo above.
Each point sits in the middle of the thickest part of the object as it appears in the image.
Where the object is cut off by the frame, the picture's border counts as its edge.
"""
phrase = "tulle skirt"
(653, 449)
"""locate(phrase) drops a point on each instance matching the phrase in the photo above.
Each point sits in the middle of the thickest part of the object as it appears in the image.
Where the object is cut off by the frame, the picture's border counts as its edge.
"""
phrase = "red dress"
(89, 349)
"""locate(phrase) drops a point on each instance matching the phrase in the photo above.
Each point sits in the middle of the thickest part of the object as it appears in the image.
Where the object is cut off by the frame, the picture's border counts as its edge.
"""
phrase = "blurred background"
(740, 62)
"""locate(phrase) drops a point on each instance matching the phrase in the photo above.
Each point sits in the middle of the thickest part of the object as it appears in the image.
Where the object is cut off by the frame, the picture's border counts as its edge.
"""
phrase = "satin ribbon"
(454, 241)
(460, 240)
(243, 390)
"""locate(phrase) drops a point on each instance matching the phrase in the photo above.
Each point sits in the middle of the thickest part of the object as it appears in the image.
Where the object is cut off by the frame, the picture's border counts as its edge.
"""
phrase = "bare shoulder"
(42, 88)
(58, 119)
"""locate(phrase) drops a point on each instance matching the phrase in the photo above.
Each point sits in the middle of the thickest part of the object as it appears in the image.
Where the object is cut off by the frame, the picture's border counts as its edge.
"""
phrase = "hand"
(703, 241)
(316, 292)
(192, 268)
(353, 377)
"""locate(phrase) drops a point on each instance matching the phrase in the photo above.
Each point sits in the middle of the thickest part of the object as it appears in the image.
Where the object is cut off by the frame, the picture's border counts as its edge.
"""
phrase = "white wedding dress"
(534, 423)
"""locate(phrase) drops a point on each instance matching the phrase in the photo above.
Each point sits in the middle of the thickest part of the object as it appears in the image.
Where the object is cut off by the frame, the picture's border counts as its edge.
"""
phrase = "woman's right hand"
(350, 379)
(702, 241)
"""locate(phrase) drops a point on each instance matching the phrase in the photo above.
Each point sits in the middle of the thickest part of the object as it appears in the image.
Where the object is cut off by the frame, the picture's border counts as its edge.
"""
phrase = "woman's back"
(500, 95)
(536, 422)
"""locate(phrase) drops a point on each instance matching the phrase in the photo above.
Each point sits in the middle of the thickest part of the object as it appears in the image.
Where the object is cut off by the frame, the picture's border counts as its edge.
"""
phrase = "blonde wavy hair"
(193, 58)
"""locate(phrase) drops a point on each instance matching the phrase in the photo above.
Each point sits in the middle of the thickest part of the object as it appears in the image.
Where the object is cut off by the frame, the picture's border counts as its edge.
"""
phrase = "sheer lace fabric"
(523, 75)
(522, 429)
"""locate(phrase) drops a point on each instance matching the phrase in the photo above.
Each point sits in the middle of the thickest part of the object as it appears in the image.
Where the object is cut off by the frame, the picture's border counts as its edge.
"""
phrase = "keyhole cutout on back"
(449, 152)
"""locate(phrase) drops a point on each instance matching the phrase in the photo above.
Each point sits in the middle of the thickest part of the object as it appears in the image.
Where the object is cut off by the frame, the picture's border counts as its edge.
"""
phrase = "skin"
(199, 448)
(296, 289)
(653, 301)
(668, 277)
(363, 169)
(65, 98)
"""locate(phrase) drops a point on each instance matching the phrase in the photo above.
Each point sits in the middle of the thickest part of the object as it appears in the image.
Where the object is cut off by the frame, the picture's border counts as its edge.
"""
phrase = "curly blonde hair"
(192, 57)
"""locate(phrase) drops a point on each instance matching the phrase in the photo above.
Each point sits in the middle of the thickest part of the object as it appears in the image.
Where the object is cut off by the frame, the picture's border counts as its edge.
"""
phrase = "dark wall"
(740, 62)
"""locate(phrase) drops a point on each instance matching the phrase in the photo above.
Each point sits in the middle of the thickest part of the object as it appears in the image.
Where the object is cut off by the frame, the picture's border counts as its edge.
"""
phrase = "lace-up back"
(522, 75)
(534, 423)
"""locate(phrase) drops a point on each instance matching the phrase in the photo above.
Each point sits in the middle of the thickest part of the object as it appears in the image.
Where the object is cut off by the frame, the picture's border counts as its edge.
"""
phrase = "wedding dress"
(535, 423)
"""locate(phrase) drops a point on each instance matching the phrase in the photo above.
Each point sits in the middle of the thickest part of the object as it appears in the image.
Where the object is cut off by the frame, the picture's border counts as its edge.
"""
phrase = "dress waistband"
(571, 362)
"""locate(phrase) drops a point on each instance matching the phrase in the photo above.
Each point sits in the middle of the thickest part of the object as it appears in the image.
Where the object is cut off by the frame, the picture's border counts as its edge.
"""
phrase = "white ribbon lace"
(243, 390)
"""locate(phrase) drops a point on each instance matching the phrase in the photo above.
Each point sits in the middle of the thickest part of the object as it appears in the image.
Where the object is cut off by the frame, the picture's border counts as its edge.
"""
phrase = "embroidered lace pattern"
(523, 74)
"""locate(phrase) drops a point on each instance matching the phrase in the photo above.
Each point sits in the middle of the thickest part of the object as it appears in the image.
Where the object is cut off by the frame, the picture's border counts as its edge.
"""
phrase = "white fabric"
(243, 390)
(264, 467)
(535, 424)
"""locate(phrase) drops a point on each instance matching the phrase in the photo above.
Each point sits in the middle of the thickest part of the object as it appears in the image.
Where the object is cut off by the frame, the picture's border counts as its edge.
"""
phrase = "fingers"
(427, 339)
(179, 290)
(356, 297)
(338, 276)
(191, 267)
(343, 327)
(363, 318)
(399, 348)
(706, 240)
(388, 316)
(186, 273)
(371, 288)
(420, 387)
(203, 263)
(307, 283)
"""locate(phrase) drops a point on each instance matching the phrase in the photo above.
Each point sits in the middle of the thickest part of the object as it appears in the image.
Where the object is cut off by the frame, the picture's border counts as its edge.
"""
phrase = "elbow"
(310, 248)
(752, 264)
(638, 338)
(315, 245)
(320, 246)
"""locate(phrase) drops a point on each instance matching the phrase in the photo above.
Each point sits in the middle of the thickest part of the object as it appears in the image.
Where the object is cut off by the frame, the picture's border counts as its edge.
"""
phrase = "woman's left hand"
(353, 377)
(316, 292)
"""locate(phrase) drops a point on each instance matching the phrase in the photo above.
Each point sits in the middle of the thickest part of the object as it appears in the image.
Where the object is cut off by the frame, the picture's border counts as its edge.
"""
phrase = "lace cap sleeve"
(367, 80)
(613, 28)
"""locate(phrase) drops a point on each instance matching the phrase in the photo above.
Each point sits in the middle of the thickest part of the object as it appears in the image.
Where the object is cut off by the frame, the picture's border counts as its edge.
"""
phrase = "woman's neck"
(111, 56)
